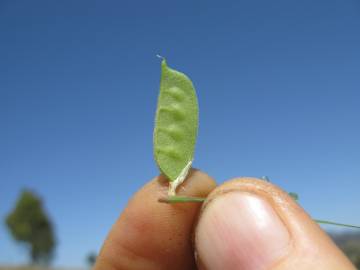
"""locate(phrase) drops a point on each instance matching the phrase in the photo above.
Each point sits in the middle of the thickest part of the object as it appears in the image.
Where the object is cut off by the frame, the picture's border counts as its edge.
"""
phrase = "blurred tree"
(29, 224)
(91, 258)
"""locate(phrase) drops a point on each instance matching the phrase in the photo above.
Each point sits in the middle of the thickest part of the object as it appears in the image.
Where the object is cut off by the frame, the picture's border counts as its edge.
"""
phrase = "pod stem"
(185, 199)
(177, 182)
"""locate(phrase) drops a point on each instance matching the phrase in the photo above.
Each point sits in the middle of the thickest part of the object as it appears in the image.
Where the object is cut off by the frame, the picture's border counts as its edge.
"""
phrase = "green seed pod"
(176, 125)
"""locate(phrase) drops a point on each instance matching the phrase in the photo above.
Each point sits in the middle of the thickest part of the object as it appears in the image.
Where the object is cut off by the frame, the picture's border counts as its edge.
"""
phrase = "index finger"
(151, 235)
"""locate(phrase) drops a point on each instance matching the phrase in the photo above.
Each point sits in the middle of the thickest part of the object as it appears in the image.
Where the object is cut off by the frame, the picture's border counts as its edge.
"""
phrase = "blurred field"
(350, 245)
(35, 268)
(348, 242)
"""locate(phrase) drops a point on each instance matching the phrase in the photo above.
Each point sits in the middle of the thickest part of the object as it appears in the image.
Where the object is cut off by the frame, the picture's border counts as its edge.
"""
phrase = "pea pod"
(176, 126)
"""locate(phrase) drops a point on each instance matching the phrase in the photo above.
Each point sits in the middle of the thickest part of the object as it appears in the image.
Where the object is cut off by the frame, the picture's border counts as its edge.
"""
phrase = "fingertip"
(153, 235)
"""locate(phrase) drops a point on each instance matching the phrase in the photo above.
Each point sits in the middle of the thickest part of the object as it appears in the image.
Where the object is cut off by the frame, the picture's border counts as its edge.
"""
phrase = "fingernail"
(240, 230)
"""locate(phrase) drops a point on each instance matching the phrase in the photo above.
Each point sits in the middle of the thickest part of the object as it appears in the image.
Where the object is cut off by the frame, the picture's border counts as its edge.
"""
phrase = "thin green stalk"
(180, 199)
(184, 199)
(335, 223)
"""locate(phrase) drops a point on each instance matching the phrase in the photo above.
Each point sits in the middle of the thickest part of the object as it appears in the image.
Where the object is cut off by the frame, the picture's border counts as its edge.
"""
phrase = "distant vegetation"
(350, 244)
(90, 259)
(35, 268)
(29, 225)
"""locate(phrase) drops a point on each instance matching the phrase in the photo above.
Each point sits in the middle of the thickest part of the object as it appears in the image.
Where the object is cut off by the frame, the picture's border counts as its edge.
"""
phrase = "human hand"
(244, 224)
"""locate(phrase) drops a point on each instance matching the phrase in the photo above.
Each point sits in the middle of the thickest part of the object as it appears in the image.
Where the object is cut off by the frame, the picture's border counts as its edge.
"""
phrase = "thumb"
(251, 224)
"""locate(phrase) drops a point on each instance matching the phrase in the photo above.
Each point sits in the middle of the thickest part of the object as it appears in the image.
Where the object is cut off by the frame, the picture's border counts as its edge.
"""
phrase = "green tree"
(91, 259)
(29, 224)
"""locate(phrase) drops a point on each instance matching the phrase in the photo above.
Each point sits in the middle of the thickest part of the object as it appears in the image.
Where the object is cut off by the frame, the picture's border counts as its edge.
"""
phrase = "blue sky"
(278, 86)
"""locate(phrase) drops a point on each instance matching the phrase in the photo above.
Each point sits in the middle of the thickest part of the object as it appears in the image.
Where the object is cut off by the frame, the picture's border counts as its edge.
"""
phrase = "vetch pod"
(176, 126)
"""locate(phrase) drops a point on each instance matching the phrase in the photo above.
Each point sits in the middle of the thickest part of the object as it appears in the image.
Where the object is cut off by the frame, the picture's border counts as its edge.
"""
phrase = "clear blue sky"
(278, 85)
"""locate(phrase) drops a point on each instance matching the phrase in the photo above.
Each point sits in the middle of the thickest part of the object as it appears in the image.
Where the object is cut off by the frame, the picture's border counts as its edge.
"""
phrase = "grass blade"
(336, 223)
(181, 199)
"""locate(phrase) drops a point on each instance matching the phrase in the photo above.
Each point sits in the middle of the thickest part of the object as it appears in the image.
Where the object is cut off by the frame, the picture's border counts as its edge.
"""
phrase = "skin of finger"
(150, 235)
(310, 247)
